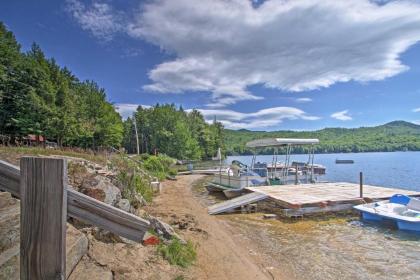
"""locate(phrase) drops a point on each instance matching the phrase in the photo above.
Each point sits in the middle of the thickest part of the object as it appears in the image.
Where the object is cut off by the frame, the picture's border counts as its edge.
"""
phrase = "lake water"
(396, 169)
(342, 247)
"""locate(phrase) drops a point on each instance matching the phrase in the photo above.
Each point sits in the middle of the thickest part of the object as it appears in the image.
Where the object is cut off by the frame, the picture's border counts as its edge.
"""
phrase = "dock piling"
(361, 184)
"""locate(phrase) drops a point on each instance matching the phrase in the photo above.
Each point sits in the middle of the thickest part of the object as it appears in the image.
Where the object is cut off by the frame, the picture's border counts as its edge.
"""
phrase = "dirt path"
(221, 253)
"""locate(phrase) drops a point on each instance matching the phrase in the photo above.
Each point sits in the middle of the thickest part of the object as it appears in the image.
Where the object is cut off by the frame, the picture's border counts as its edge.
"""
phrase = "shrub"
(160, 166)
(177, 253)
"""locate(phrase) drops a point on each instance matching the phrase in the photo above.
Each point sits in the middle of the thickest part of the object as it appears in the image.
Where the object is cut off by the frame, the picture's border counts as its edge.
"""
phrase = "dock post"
(361, 184)
(43, 218)
(296, 174)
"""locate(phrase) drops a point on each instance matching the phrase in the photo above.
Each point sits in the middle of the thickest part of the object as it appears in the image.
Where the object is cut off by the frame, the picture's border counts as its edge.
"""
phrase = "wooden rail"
(46, 201)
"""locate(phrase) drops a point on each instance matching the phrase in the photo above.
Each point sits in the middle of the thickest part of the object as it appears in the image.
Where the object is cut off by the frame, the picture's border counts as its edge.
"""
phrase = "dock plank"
(330, 193)
(231, 204)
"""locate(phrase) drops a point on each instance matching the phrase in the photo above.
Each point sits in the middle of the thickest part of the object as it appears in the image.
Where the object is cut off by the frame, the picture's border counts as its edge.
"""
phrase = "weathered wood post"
(43, 218)
(361, 184)
(296, 174)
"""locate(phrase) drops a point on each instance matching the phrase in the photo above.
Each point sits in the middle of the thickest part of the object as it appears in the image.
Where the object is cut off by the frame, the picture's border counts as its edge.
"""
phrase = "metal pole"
(137, 135)
(361, 184)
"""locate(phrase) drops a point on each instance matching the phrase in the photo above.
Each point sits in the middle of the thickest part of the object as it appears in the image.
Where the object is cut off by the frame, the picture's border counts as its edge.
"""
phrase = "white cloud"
(303, 100)
(416, 122)
(416, 110)
(261, 119)
(100, 19)
(223, 47)
(342, 116)
(126, 109)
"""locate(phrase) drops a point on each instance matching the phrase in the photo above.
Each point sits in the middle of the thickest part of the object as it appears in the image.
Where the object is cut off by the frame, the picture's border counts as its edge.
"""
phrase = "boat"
(400, 209)
(344, 161)
(234, 180)
(287, 172)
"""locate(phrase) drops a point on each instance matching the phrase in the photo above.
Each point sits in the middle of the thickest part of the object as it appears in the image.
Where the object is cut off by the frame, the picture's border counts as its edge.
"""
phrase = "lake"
(394, 169)
(340, 247)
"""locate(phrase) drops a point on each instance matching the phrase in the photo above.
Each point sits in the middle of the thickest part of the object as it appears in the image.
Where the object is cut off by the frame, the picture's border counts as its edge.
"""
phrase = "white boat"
(286, 172)
(239, 176)
(401, 209)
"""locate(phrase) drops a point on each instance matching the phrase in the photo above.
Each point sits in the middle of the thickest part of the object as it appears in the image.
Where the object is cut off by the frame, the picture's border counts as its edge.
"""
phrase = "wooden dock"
(324, 197)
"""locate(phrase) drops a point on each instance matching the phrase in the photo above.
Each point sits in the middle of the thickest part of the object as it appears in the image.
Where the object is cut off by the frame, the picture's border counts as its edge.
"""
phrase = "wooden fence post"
(43, 217)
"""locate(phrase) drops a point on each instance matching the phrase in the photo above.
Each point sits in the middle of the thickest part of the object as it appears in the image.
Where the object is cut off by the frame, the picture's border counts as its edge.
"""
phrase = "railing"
(46, 202)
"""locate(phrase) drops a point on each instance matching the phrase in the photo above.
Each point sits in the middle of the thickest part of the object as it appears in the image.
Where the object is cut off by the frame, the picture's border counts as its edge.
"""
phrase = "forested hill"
(38, 97)
(393, 136)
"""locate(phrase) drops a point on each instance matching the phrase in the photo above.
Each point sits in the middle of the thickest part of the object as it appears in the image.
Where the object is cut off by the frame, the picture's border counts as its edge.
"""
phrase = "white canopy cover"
(275, 142)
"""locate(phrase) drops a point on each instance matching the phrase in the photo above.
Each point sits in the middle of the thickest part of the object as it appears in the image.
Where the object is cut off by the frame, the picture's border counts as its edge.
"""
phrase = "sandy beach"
(222, 252)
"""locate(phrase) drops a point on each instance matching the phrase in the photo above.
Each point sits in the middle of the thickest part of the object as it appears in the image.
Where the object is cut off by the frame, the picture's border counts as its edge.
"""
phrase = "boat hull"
(385, 212)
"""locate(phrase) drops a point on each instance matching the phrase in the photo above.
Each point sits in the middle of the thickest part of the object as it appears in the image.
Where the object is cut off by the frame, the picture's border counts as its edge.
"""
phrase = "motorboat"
(403, 210)
(287, 171)
(234, 180)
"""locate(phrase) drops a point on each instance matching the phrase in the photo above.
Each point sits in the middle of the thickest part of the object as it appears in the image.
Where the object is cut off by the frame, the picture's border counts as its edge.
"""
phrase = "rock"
(105, 236)
(124, 204)
(109, 237)
(88, 270)
(138, 201)
(101, 189)
(164, 230)
(141, 213)
(76, 247)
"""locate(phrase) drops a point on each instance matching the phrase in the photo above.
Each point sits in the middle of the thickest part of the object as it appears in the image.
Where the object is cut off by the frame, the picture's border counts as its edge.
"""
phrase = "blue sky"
(272, 65)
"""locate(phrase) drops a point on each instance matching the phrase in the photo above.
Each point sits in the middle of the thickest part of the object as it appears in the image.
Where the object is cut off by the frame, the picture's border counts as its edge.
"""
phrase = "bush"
(177, 253)
(130, 179)
(160, 166)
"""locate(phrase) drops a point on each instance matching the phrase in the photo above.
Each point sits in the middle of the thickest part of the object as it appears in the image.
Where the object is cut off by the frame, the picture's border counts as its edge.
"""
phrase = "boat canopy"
(276, 142)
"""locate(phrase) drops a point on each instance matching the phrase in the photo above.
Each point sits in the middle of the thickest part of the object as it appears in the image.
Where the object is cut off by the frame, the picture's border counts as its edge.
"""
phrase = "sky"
(258, 65)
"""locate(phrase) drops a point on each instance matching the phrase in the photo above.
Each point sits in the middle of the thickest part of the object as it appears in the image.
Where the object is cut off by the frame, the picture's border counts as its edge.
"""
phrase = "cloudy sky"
(261, 65)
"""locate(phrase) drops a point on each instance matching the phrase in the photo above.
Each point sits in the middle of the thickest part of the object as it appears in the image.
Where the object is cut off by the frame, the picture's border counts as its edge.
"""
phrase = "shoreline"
(222, 253)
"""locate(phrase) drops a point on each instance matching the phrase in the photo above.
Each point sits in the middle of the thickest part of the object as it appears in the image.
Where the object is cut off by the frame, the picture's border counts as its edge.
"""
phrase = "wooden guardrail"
(46, 201)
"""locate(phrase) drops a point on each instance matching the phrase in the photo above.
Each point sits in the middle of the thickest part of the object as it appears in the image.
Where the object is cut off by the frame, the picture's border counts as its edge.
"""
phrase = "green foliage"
(168, 130)
(159, 166)
(131, 178)
(393, 136)
(39, 97)
(177, 253)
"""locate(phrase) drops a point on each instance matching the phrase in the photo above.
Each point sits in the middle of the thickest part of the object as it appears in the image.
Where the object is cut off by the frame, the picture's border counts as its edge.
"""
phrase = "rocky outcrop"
(101, 189)
(164, 230)
(89, 270)
(124, 204)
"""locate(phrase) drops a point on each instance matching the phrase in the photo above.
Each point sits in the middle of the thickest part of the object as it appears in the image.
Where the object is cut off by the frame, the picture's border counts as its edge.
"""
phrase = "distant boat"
(344, 161)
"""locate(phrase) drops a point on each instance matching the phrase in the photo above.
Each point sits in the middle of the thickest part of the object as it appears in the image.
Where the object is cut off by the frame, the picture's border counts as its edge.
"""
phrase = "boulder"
(138, 201)
(124, 204)
(101, 189)
(164, 230)
(88, 270)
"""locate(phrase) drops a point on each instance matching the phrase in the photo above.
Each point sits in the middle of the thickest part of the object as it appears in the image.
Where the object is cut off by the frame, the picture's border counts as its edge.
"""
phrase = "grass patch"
(13, 154)
(177, 253)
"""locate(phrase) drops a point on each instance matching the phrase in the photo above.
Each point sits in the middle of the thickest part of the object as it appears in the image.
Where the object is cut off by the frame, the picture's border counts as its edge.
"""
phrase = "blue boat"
(401, 209)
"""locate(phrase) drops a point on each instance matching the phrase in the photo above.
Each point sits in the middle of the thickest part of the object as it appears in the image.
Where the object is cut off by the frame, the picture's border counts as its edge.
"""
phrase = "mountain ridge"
(396, 135)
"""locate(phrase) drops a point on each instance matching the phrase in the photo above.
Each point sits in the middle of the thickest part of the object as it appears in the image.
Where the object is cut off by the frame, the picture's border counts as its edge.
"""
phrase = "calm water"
(397, 169)
(344, 248)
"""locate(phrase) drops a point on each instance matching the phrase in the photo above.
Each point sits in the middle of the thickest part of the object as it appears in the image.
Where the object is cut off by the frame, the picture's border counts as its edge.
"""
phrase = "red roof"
(32, 137)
